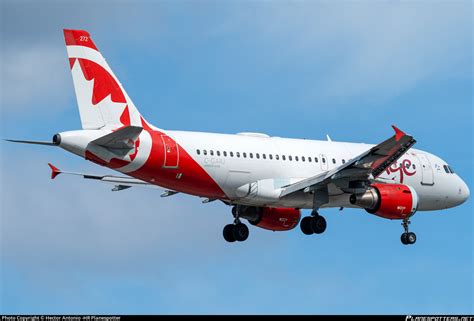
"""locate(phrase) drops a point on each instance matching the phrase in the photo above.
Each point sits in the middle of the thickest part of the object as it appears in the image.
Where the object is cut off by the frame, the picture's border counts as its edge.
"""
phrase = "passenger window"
(334, 161)
(218, 153)
(225, 153)
(290, 158)
(309, 159)
(204, 152)
(264, 156)
(323, 160)
(283, 157)
(257, 155)
(276, 157)
(231, 154)
(316, 160)
(251, 155)
(271, 156)
(296, 158)
(343, 161)
(413, 166)
(198, 152)
(407, 166)
(244, 154)
(302, 158)
(211, 153)
(237, 154)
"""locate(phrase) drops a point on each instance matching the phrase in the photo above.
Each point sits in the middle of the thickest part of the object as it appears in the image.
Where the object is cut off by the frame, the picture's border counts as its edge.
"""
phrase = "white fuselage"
(252, 168)
(436, 188)
(261, 165)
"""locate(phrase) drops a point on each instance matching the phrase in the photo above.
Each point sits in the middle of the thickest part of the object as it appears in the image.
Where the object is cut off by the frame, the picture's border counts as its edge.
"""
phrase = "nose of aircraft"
(463, 191)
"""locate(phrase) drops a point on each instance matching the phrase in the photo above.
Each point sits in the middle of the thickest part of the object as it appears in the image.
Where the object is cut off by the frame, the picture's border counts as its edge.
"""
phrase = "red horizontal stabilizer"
(54, 171)
(398, 133)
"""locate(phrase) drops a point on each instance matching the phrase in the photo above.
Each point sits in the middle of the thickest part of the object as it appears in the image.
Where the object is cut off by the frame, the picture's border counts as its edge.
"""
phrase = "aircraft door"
(171, 152)
(426, 169)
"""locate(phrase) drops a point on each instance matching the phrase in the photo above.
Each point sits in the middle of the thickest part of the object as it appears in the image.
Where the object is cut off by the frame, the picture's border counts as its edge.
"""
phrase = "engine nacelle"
(270, 218)
(392, 201)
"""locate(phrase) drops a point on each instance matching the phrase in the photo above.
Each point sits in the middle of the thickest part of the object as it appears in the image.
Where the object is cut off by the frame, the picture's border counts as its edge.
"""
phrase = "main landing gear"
(313, 224)
(407, 237)
(237, 231)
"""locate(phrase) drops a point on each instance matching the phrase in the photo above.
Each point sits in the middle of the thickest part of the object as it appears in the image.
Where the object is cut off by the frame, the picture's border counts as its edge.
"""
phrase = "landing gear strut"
(313, 224)
(407, 237)
(237, 231)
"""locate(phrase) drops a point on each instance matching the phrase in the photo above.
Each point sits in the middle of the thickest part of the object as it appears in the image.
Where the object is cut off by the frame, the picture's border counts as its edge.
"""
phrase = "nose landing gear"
(407, 237)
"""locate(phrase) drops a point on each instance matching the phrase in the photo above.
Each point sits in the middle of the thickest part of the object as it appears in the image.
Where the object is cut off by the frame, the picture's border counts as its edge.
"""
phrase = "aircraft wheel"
(240, 232)
(411, 238)
(318, 224)
(228, 233)
(305, 225)
(404, 238)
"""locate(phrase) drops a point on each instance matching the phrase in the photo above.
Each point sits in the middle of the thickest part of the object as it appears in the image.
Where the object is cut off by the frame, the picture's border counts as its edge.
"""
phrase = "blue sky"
(293, 69)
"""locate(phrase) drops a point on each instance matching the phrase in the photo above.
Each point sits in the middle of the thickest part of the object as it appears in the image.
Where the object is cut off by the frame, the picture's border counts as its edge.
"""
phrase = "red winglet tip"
(54, 171)
(398, 133)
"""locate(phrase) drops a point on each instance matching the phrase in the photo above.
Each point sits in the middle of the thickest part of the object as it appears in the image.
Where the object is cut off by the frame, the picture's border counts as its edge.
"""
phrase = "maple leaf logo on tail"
(102, 100)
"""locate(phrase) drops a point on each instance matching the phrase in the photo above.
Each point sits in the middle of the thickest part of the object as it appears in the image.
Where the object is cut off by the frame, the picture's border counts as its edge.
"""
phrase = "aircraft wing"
(122, 182)
(370, 163)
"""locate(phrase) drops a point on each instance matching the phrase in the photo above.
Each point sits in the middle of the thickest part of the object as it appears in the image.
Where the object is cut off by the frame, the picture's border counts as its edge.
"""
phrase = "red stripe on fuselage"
(114, 163)
(189, 177)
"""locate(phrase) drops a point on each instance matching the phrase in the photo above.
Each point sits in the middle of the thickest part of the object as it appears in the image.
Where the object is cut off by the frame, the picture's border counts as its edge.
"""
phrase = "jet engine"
(270, 218)
(392, 201)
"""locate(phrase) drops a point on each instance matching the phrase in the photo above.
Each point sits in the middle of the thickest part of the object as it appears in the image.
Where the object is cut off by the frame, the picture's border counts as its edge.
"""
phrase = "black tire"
(228, 233)
(240, 232)
(318, 224)
(305, 225)
(404, 238)
(411, 238)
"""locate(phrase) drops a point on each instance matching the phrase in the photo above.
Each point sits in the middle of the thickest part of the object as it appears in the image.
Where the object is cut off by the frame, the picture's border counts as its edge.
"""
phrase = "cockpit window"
(446, 169)
(451, 169)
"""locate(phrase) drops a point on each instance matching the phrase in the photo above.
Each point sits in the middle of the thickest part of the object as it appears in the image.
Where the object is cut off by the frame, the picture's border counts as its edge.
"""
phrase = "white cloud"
(400, 46)
(343, 50)
(34, 68)
(34, 75)
(360, 49)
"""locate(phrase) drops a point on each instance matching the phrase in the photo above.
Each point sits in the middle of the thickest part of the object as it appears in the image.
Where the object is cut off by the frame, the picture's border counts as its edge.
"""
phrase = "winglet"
(54, 171)
(398, 133)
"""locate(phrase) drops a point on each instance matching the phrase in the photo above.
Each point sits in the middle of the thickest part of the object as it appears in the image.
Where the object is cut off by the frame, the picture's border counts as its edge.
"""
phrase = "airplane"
(266, 180)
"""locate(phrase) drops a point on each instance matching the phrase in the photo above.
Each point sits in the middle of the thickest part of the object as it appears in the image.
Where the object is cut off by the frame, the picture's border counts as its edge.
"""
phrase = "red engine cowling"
(392, 201)
(269, 218)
